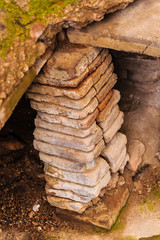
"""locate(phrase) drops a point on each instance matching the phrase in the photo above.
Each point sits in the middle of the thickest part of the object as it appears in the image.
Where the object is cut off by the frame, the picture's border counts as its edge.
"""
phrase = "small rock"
(0, 230)
(39, 228)
(121, 181)
(31, 214)
(36, 207)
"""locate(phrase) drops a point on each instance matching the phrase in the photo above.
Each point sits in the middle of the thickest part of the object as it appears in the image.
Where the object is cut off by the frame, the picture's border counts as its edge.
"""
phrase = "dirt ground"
(22, 185)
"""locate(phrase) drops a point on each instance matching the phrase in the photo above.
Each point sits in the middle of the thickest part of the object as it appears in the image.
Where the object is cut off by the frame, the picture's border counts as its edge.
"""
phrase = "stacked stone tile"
(71, 94)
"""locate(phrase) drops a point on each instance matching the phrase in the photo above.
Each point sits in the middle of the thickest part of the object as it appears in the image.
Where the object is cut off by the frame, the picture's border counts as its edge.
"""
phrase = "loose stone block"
(66, 164)
(64, 129)
(51, 108)
(126, 159)
(84, 144)
(107, 110)
(136, 150)
(79, 124)
(90, 177)
(106, 124)
(102, 105)
(64, 101)
(70, 61)
(107, 87)
(113, 149)
(116, 166)
(68, 204)
(83, 190)
(108, 135)
(69, 153)
(41, 78)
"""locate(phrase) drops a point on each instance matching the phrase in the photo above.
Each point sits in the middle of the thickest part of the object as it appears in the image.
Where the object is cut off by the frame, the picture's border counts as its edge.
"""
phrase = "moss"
(156, 192)
(18, 20)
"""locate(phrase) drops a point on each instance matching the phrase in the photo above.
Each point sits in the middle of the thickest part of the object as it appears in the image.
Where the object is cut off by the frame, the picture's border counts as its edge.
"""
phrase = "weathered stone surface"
(85, 197)
(71, 154)
(136, 150)
(107, 87)
(86, 144)
(108, 135)
(102, 105)
(83, 190)
(64, 101)
(68, 204)
(121, 33)
(113, 181)
(66, 164)
(51, 108)
(70, 61)
(111, 103)
(64, 129)
(124, 163)
(90, 177)
(106, 124)
(79, 124)
(103, 214)
(41, 78)
(116, 166)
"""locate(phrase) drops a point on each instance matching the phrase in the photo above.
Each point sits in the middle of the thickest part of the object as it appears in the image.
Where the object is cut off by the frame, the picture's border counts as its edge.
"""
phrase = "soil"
(22, 184)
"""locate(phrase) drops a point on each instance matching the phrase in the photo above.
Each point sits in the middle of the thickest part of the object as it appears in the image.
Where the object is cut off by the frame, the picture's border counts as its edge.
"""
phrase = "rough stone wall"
(26, 30)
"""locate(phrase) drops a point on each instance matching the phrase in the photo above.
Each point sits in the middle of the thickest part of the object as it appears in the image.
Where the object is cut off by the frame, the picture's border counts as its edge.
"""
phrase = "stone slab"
(113, 149)
(133, 29)
(68, 153)
(86, 144)
(73, 93)
(66, 130)
(64, 101)
(49, 80)
(85, 197)
(107, 123)
(121, 169)
(70, 61)
(109, 134)
(90, 177)
(83, 190)
(103, 214)
(79, 124)
(111, 103)
(51, 108)
(102, 105)
(66, 164)
(106, 88)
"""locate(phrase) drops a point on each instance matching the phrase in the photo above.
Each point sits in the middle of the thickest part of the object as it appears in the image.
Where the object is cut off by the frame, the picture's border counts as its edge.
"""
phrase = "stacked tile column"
(72, 94)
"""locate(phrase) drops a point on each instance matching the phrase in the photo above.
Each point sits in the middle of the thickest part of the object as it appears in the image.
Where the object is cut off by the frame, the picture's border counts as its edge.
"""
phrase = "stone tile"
(73, 93)
(79, 124)
(103, 214)
(90, 177)
(83, 190)
(107, 87)
(64, 129)
(85, 197)
(104, 78)
(86, 144)
(71, 154)
(109, 134)
(136, 150)
(107, 123)
(113, 149)
(41, 78)
(102, 105)
(66, 164)
(64, 101)
(126, 159)
(68, 204)
(70, 61)
(116, 166)
(108, 108)
(51, 108)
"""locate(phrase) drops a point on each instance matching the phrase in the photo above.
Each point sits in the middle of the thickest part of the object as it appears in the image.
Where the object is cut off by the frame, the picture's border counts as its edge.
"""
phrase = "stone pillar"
(77, 125)
(139, 83)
